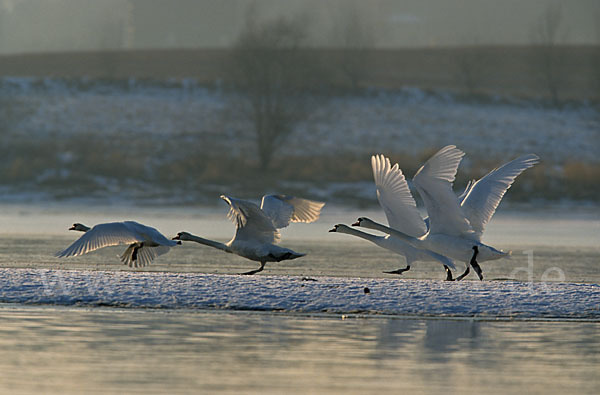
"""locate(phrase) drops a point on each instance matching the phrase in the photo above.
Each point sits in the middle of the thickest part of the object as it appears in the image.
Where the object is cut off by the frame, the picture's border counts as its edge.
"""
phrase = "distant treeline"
(91, 165)
(503, 70)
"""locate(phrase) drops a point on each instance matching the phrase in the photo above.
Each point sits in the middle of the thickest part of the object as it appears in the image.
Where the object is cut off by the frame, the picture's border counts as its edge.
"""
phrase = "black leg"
(464, 274)
(474, 263)
(399, 271)
(260, 269)
(448, 274)
(134, 253)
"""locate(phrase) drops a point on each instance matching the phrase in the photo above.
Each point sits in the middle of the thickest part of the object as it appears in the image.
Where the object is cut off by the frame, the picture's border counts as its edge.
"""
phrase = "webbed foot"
(399, 271)
(251, 272)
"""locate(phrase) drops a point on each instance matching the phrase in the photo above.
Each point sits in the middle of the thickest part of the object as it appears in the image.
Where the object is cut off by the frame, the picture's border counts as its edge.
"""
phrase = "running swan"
(393, 194)
(454, 227)
(400, 247)
(145, 242)
(256, 227)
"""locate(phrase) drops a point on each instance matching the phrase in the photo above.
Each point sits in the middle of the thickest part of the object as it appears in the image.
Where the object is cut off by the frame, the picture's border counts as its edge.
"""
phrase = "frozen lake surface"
(553, 271)
(189, 324)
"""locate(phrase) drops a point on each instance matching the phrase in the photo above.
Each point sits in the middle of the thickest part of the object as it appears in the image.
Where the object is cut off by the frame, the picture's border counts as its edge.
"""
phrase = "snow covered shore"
(488, 299)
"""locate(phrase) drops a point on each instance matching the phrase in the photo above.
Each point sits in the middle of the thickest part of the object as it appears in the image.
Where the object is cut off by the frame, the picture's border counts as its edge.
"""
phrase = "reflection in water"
(443, 337)
(117, 350)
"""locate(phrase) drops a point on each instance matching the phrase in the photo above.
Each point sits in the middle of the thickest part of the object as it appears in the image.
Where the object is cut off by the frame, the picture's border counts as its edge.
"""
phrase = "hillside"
(180, 140)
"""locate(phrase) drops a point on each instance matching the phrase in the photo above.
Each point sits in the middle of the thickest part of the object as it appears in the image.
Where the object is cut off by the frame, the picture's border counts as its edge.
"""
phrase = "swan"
(391, 185)
(256, 227)
(398, 246)
(454, 227)
(145, 242)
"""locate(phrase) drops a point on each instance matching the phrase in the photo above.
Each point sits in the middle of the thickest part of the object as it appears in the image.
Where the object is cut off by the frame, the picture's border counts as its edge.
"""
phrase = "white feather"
(483, 197)
(395, 198)
(434, 183)
(283, 209)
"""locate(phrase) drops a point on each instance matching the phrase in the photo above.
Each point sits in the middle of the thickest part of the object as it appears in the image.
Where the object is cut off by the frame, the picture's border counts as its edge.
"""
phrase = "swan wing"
(484, 196)
(434, 182)
(149, 233)
(251, 222)
(395, 198)
(440, 258)
(145, 255)
(283, 209)
(465, 192)
(102, 235)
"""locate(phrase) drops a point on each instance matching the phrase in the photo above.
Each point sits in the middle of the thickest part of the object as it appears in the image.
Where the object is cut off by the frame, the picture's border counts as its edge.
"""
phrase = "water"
(187, 325)
(54, 350)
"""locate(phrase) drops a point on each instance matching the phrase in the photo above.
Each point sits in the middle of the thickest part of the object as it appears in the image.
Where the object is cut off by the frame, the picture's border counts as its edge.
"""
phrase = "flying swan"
(145, 242)
(256, 227)
(455, 225)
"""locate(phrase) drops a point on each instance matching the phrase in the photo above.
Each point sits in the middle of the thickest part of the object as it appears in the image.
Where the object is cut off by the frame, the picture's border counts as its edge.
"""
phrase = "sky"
(71, 25)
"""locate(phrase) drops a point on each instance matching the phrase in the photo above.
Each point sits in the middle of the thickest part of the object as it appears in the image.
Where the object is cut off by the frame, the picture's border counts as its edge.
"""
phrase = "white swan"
(399, 246)
(454, 228)
(145, 242)
(392, 191)
(256, 227)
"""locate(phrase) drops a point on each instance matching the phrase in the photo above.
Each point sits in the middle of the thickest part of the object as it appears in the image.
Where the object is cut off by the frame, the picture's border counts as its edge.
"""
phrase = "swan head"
(182, 236)
(339, 228)
(364, 222)
(79, 227)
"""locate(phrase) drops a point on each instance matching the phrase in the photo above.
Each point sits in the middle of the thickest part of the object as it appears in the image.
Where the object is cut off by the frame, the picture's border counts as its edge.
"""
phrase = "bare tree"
(274, 76)
(548, 63)
(354, 34)
(471, 67)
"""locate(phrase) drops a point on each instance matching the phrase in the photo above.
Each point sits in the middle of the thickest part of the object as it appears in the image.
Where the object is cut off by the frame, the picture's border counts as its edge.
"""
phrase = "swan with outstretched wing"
(257, 233)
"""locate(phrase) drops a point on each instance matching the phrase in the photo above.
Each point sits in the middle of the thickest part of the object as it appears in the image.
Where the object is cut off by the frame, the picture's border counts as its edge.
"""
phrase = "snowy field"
(409, 120)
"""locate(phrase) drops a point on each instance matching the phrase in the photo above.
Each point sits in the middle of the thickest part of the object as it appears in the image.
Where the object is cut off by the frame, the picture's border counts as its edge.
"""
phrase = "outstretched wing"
(484, 196)
(149, 233)
(395, 198)
(434, 183)
(465, 192)
(283, 209)
(251, 222)
(145, 255)
(101, 235)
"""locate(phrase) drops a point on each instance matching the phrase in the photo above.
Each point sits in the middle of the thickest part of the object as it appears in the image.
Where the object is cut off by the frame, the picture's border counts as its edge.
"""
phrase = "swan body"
(145, 242)
(455, 225)
(452, 247)
(254, 251)
(399, 246)
(257, 227)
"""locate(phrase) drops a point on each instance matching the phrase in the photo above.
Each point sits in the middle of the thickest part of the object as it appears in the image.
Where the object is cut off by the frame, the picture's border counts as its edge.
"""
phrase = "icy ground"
(409, 120)
(487, 299)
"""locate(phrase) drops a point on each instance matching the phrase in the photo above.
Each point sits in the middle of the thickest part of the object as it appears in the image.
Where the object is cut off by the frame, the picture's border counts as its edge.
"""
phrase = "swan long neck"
(210, 243)
(358, 233)
(370, 224)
